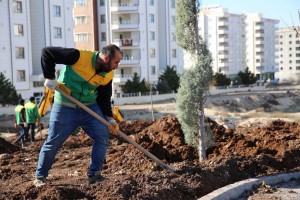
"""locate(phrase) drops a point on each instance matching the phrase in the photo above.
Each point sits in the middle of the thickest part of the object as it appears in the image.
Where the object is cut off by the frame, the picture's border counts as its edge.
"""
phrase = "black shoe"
(97, 178)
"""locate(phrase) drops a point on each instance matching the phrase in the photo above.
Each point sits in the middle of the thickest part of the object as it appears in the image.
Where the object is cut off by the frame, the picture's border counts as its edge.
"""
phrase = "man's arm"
(103, 98)
(57, 55)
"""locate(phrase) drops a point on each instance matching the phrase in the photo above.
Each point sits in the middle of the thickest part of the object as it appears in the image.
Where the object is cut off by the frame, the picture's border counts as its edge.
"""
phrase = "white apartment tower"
(144, 30)
(260, 46)
(25, 28)
(237, 41)
(288, 55)
(224, 34)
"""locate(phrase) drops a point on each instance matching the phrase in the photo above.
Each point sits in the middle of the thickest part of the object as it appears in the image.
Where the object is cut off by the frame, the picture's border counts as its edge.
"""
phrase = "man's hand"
(16, 125)
(113, 127)
(37, 123)
(51, 84)
(25, 125)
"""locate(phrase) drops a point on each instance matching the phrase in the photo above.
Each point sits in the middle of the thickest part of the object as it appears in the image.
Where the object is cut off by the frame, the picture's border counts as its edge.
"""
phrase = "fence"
(138, 98)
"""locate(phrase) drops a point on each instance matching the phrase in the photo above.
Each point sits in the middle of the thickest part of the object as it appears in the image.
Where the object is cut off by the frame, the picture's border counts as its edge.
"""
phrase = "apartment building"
(145, 32)
(260, 46)
(237, 41)
(288, 55)
(224, 34)
(26, 27)
(86, 24)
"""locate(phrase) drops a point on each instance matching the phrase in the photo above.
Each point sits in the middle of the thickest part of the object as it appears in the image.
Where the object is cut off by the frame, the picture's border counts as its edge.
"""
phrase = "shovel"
(123, 135)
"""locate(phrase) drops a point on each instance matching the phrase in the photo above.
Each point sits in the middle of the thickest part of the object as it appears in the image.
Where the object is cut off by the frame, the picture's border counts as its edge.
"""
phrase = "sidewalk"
(236, 190)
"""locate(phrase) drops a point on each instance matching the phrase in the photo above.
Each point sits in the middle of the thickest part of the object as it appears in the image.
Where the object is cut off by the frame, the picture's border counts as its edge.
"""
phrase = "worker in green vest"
(32, 117)
(20, 122)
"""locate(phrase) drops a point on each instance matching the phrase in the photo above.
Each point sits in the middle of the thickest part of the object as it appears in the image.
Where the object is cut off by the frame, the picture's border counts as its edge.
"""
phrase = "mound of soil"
(235, 155)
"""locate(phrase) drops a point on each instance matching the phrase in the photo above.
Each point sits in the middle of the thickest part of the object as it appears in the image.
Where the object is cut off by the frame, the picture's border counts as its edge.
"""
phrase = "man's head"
(21, 102)
(31, 99)
(109, 58)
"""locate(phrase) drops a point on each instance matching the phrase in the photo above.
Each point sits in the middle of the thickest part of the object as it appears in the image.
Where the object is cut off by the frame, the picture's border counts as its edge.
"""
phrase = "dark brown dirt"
(236, 155)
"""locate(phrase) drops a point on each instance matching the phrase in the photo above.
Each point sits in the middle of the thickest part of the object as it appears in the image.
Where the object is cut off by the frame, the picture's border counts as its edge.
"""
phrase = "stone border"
(235, 190)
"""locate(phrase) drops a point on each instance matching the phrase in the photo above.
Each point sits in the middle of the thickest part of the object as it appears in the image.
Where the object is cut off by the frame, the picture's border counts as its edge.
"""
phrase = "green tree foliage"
(135, 85)
(168, 81)
(186, 23)
(191, 97)
(8, 93)
(163, 87)
(221, 79)
(247, 78)
(194, 84)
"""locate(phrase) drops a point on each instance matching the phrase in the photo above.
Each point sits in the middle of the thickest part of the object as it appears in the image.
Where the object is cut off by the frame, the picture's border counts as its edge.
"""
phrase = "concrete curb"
(235, 190)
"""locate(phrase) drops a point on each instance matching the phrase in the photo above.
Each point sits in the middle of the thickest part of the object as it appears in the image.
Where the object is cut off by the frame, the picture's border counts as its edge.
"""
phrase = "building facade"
(145, 32)
(27, 27)
(288, 55)
(238, 41)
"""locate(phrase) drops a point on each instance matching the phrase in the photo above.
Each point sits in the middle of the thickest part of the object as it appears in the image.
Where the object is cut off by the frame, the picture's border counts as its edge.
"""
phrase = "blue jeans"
(31, 127)
(63, 122)
(23, 132)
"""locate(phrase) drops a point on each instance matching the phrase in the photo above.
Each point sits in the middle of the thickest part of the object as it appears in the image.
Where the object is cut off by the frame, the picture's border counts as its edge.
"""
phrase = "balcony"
(122, 78)
(117, 6)
(129, 60)
(126, 42)
(125, 24)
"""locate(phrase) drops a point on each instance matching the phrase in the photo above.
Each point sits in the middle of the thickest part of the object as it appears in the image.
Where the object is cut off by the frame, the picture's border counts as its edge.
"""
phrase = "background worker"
(32, 117)
(86, 76)
(20, 122)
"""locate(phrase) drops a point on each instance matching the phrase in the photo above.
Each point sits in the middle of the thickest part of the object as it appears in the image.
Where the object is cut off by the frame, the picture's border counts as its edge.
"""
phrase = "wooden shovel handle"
(123, 135)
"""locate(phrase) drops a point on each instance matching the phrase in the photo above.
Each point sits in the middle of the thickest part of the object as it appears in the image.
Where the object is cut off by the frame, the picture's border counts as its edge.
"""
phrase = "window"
(174, 53)
(172, 20)
(17, 6)
(102, 19)
(78, 3)
(81, 20)
(297, 48)
(81, 37)
(57, 32)
(20, 53)
(103, 36)
(56, 11)
(151, 2)
(298, 68)
(38, 84)
(102, 2)
(152, 35)
(151, 18)
(297, 61)
(21, 75)
(18, 29)
(172, 3)
(173, 37)
(153, 70)
(152, 53)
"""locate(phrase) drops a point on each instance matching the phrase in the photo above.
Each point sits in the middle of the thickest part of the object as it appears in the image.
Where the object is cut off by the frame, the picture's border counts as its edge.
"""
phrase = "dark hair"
(31, 99)
(21, 101)
(110, 50)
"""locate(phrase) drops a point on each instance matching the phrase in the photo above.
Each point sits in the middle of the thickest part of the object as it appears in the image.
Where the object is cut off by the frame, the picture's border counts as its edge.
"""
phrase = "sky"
(286, 11)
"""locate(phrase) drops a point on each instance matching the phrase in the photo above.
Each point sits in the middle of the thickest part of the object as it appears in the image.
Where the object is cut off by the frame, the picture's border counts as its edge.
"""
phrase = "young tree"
(8, 93)
(221, 79)
(247, 78)
(168, 81)
(194, 84)
(135, 85)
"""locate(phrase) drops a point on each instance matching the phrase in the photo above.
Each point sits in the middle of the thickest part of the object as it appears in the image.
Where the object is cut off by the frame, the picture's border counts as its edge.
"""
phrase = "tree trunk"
(202, 141)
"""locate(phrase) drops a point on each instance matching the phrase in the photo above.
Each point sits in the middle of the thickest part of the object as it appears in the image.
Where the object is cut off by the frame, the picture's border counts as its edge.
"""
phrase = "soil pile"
(235, 155)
